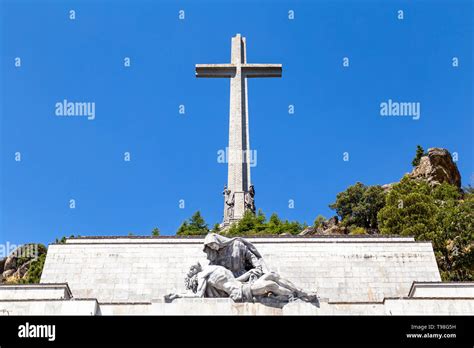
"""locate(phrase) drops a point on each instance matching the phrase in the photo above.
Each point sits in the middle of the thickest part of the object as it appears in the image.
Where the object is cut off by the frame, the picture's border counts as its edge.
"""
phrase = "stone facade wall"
(430, 306)
(339, 268)
(203, 306)
(34, 292)
(433, 290)
(49, 307)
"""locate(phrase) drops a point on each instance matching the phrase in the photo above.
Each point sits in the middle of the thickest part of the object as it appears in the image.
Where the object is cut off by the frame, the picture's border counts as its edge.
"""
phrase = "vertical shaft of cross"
(238, 179)
(239, 192)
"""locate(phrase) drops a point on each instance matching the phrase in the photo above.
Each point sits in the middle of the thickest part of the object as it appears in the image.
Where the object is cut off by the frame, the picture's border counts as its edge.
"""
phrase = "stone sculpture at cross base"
(229, 200)
(237, 270)
(217, 281)
(236, 254)
(250, 199)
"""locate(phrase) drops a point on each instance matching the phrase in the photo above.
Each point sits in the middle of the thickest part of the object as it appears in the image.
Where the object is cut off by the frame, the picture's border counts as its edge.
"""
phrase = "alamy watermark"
(25, 250)
(67, 108)
(28, 330)
(393, 108)
(237, 156)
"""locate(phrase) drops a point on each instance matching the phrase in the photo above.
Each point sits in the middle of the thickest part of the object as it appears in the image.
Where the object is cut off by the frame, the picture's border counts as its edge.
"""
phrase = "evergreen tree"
(359, 205)
(193, 226)
(216, 228)
(419, 153)
(436, 214)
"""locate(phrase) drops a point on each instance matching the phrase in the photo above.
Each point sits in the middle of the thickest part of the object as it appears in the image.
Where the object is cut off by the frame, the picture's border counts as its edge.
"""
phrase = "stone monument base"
(427, 298)
(353, 275)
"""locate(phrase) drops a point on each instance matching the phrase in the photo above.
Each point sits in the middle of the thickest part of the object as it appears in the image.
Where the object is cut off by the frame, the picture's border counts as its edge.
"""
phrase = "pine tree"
(193, 226)
(419, 153)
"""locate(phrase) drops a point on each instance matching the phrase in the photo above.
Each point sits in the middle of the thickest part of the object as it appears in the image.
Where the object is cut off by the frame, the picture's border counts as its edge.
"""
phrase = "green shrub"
(33, 275)
(357, 230)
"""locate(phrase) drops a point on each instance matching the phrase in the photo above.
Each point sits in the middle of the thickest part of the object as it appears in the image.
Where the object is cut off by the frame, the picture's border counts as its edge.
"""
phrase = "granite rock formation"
(15, 266)
(437, 167)
(330, 226)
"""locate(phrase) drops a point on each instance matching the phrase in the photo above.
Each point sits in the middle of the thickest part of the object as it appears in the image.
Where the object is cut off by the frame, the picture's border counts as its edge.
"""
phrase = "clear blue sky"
(173, 156)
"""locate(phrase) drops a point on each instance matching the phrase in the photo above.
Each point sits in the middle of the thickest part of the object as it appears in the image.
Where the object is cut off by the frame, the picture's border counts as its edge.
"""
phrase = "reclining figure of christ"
(217, 281)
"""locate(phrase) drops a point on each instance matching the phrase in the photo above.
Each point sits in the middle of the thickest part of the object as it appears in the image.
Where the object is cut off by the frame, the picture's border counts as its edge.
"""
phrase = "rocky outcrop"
(338, 229)
(307, 231)
(330, 226)
(437, 167)
(15, 267)
(2, 264)
(388, 187)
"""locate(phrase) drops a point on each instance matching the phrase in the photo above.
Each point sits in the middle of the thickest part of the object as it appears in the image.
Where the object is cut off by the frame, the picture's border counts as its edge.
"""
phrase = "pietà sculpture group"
(237, 270)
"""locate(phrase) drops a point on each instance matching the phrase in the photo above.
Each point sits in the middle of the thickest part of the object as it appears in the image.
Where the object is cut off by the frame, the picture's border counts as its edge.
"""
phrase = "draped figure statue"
(236, 254)
(237, 270)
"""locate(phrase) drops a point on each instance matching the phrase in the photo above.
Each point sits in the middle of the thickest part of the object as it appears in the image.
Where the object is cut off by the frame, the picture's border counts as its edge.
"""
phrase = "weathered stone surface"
(331, 222)
(51, 299)
(429, 306)
(2, 264)
(10, 263)
(354, 276)
(336, 229)
(437, 167)
(307, 231)
(8, 273)
(341, 268)
(34, 291)
(442, 290)
(21, 271)
(50, 307)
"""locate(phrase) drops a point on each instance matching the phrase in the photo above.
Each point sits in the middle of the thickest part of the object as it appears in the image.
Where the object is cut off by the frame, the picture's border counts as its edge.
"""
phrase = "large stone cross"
(239, 194)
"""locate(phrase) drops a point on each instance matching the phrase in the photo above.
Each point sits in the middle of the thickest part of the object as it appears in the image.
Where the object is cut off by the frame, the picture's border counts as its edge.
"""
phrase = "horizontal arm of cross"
(215, 70)
(261, 70)
(229, 70)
